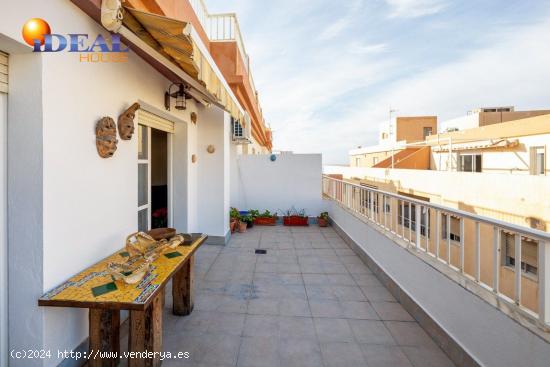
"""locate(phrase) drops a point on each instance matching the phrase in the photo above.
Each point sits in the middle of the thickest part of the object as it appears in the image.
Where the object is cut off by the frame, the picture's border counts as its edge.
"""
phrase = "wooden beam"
(146, 335)
(183, 289)
(104, 337)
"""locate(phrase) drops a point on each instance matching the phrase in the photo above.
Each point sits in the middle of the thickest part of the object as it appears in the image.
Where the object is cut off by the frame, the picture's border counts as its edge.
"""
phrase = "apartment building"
(394, 141)
(493, 162)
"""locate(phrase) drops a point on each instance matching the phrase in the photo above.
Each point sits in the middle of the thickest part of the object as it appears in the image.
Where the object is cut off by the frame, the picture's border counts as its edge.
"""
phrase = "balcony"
(228, 51)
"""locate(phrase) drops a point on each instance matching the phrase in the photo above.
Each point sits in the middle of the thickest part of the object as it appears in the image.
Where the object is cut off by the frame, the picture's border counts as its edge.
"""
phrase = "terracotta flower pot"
(265, 221)
(295, 220)
(242, 227)
(233, 226)
(322, 222)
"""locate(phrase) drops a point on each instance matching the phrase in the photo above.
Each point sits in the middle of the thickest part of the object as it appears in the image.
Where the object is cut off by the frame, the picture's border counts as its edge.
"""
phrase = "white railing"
(223, 27)
(469, 245)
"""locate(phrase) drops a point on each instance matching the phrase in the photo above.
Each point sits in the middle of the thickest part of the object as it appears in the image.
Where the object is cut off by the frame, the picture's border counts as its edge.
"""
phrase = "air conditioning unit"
(242, 130)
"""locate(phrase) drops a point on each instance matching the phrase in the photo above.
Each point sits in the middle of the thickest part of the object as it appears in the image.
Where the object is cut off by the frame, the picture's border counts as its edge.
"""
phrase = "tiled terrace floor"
(310, 301)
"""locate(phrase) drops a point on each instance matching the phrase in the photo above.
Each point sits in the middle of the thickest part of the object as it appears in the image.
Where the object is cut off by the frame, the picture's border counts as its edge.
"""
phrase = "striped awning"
(477, 145)
(172, 38)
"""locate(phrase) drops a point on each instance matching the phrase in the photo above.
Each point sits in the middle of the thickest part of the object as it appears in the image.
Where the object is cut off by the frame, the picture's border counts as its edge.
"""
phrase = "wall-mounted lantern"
(178, 92)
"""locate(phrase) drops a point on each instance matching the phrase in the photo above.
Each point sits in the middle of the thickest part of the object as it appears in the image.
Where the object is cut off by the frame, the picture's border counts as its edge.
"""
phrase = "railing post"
(403, 218)
(437, 232)
(410, 222)
(427, 228)
(417, 222)
(462, 245)
(477, 264)
(517, 243)
(448, 216)
(544, 282)
(496, 258)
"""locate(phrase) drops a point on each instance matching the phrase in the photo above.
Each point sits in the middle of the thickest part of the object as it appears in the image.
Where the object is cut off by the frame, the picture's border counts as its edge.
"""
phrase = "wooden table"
(95, 289)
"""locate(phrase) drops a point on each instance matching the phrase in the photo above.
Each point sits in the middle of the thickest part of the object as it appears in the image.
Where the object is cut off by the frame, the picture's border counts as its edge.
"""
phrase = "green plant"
(324, 215)
(267, 214)
(247, 218)
(234, 213)
(254, 213)
(293, 212)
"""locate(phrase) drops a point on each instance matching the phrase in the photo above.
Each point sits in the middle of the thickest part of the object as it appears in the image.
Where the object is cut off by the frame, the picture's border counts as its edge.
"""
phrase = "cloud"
(335, 29)
(415, 8)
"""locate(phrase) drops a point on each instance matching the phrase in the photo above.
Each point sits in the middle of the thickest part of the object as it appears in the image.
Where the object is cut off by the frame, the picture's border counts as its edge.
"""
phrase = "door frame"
(169, 162)
(3, 231)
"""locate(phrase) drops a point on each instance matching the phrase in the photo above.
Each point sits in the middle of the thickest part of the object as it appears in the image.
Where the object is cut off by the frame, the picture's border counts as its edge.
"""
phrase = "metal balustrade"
(476, 255)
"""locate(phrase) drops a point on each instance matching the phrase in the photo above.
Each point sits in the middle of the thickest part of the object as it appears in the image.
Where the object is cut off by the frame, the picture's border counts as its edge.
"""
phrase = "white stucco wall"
(71, 207)
(213, 173)
(292, 180)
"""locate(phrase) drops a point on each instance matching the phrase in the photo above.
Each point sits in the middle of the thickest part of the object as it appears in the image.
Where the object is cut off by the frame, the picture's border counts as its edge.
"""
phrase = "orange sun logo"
(35, 29)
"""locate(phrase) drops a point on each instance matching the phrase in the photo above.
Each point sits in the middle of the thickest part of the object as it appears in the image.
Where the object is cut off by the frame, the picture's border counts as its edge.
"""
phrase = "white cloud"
(335, 29)
(415, 8)
(512, 71)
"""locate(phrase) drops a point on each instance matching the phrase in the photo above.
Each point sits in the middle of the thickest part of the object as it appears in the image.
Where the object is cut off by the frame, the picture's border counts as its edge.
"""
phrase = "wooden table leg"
(183, 288)
(146, 334)
(104, 336)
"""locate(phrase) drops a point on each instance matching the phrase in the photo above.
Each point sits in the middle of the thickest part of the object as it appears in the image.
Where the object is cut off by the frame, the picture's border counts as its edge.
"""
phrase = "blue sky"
(328, 71)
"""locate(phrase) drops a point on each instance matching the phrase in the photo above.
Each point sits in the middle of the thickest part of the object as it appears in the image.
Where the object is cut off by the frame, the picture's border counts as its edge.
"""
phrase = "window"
(529, 256)
(455, 227)
(357, 161)
(426, 131)
(374, 161)
(405, 221)
(470, 163)
(538, 161)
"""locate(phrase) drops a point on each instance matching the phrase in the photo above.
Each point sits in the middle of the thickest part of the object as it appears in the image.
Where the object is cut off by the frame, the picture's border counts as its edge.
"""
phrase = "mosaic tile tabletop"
(94, 287)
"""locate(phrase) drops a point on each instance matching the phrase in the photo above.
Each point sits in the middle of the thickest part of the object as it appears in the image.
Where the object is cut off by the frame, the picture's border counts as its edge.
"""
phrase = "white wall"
(69, 207)
(292, 180)
(213, 173)
(486, 333)
(3, 236)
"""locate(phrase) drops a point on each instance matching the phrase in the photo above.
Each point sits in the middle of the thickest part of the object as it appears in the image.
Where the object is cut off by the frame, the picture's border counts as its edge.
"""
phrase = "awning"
(477, 145)
(172, 38)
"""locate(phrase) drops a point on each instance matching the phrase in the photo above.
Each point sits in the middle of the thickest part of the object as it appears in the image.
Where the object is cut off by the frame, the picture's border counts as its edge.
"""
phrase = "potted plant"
(253, 213)
(266, 219)
(293, 217)
(322, 219)
(248, 219)
(242, 226)
(234, 219)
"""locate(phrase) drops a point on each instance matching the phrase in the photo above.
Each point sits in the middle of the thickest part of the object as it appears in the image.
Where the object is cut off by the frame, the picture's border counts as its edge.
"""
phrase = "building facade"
(73, 184)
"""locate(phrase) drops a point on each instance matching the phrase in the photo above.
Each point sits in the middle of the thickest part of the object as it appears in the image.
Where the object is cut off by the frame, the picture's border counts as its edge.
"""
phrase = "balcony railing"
(477, 251)
(223, 27)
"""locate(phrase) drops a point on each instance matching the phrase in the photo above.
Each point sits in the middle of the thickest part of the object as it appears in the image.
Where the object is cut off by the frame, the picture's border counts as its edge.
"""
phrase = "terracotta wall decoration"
(210, 149)
(194, 117)
(126, 122)
(106, 140)
(193, 158)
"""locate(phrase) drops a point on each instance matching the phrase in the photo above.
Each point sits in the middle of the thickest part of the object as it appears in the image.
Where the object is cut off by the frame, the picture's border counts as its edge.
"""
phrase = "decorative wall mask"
(210, 149)
(126, 122)
(106, 140)
(194, 117)
(193, 158)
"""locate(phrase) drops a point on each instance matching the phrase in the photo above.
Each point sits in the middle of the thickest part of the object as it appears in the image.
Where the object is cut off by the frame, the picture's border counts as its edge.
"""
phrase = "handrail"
(531, 232)
(411, 220)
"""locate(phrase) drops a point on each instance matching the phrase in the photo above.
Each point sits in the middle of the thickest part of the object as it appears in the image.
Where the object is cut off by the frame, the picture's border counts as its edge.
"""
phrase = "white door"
(3, 208)
(146, 122)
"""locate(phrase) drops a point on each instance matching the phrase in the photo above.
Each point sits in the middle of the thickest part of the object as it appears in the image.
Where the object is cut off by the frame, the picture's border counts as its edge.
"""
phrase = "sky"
(327, 72)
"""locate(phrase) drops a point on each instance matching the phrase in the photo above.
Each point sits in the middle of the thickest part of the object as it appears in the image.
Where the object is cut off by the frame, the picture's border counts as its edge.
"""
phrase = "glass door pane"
(144, 178)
